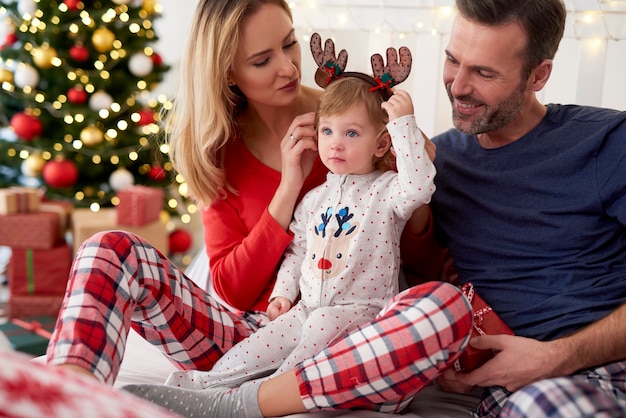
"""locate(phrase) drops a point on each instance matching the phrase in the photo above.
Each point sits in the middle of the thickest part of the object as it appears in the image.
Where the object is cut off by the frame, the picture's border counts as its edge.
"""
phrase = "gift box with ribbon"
(39, 272)
(29, 335)
(485, 322)
(18, 200)
(139, 205)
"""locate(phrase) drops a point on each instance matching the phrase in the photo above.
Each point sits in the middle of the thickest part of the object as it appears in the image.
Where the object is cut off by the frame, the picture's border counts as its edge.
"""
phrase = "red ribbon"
(382, 84)
(33, 326)
(468, 291)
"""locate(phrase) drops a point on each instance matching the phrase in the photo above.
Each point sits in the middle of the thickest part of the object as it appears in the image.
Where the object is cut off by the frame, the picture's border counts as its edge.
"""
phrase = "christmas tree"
(78, 114)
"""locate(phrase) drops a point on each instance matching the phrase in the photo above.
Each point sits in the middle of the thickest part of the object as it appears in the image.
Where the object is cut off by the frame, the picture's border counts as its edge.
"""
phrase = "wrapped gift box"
(18, 200)
(139, 205)
(22, 306)
(29, 335)
(38, 230)
(37, 272)
(85, 223)
(63, 208)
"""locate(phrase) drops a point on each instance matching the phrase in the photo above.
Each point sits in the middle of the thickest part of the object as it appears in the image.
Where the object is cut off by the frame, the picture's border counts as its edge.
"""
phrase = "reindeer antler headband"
(331, 67)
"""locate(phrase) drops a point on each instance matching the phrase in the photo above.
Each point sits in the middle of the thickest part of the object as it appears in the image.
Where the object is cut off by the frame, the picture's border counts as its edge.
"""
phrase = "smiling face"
(267, 64)
(348, 142)
(483, 76)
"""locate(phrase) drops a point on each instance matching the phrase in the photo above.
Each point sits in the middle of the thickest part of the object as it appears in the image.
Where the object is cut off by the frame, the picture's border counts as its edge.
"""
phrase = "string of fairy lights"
(597, 19)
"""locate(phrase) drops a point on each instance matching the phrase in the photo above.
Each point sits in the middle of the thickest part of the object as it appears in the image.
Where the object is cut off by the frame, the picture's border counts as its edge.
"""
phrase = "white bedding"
(143, 363)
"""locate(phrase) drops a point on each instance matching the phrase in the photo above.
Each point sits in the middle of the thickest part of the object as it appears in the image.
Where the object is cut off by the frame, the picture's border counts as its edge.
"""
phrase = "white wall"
(586, 71)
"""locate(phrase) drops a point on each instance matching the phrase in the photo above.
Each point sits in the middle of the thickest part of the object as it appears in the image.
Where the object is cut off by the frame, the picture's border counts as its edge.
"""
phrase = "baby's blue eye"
(352, 133)
(326, 131)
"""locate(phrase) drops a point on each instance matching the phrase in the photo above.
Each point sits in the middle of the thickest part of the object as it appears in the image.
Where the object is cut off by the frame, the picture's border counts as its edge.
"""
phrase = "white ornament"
(6, 26)
(25, 76)
(100, 100)
(140, 65)
(121, 179)
(27, 7)
(8, 134)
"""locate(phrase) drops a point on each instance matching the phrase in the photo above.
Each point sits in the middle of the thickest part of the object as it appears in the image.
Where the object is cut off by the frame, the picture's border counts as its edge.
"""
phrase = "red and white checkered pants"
(384, 364)
(117, 281)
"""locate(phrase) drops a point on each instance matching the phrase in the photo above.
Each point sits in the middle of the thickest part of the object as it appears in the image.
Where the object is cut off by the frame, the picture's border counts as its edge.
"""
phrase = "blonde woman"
(238, 104)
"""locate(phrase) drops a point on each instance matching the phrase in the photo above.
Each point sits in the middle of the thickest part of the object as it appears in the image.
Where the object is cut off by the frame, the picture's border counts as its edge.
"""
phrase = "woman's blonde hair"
(205, 107)
(353, 88)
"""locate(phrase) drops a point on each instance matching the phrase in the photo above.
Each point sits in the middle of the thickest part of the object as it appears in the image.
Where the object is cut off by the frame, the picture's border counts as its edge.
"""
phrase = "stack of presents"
(43, 237)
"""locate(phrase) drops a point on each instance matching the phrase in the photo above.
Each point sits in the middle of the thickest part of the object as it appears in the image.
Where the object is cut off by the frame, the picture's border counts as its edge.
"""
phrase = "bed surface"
(143, 363)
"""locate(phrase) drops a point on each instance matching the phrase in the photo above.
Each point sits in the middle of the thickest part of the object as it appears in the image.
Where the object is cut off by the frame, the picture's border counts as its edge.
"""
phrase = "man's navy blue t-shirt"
(539, 225)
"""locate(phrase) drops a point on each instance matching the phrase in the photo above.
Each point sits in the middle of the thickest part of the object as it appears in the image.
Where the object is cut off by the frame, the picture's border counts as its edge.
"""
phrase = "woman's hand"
(298, 153)
(299, 150)
(278, 306)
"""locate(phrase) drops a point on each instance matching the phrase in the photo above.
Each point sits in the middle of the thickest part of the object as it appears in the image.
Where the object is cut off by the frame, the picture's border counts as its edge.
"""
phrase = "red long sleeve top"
(243, 241)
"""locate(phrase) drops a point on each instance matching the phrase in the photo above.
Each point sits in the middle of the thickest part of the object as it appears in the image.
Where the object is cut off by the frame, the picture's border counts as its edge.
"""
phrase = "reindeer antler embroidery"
(329, 66)
(321, 228)
(394, 72)
(343, 218)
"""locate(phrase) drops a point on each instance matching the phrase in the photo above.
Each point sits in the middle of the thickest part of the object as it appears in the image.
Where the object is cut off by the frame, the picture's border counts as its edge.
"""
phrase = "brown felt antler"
(394, 72)
(329, 66)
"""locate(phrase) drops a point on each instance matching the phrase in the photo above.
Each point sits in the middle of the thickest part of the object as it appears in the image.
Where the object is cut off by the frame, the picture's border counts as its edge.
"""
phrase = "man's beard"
(491, 119)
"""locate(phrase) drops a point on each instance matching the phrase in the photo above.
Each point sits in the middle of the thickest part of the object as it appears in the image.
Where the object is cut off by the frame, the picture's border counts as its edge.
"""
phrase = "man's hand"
(519, 362)
(448, 382)
(278, 306)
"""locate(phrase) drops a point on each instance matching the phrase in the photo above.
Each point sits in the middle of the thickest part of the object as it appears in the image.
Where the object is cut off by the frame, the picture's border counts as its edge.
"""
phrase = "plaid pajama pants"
(384, 364)
(598, 393)
(117, 281)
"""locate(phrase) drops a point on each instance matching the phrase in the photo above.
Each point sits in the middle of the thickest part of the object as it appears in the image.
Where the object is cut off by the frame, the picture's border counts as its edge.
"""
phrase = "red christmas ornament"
(146, 117)
(157, 173)
(179, 241)
(72, 5)
(26, 126)
(156, 59)
(9, 40)
(60, 173)
(77, 95)
(79, 53)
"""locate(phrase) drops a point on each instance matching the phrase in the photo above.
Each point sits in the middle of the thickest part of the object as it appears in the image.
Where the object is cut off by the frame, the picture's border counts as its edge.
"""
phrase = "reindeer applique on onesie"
(343, 264)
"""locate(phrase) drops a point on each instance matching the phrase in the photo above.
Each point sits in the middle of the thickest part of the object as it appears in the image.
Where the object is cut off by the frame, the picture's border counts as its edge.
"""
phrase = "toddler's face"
(348, 141)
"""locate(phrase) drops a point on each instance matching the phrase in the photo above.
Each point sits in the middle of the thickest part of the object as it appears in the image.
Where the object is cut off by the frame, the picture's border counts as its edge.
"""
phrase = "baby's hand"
(278, 306)
(400, 104)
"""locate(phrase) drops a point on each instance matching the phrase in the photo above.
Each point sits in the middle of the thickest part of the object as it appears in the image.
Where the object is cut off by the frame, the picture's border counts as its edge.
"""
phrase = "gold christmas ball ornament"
(103, 39)
(33, 165)
(43, 56)
(6, 76)
(149, 6)
(91, 136)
